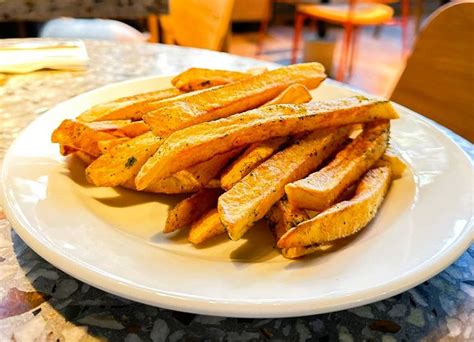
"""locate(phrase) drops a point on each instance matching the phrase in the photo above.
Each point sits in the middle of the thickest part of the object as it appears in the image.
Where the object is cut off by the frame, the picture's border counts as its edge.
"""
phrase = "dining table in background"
(40, 301)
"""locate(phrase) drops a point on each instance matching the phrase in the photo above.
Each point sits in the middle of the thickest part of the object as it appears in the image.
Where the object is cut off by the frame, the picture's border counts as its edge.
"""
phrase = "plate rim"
(228, 308)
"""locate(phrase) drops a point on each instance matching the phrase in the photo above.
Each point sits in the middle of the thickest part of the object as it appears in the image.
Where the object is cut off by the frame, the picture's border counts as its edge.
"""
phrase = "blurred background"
(364, 43)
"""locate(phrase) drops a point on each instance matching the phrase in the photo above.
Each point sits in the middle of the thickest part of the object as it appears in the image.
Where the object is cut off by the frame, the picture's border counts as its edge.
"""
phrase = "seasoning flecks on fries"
(245, 146)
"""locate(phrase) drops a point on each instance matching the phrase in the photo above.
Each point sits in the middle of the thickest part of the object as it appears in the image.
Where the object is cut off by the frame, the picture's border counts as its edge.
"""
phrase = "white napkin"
(27, 55)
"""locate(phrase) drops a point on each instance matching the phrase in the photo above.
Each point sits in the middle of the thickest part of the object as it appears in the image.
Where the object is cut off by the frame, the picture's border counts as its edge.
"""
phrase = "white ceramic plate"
(111, 238)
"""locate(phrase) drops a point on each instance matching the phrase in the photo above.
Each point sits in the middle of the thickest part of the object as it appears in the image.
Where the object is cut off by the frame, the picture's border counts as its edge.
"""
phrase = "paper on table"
(27, 55)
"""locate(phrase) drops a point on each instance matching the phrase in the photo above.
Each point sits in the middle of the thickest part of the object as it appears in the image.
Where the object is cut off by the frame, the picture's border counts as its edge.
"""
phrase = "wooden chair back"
(438, 80)
(201, 24)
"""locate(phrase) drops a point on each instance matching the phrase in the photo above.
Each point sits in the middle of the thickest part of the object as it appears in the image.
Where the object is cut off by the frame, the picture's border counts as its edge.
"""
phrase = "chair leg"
(346, 39)
(353, 48)
(261, 36)
(299, 21)
(152, 20)
(405, 14)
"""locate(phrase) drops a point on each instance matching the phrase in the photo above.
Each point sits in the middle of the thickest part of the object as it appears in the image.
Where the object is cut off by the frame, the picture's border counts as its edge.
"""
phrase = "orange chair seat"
(362, 14)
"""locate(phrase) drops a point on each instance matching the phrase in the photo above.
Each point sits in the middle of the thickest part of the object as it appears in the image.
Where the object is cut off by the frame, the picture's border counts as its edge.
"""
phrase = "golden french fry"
(207, 226)
(194, 144)
(190, 209)
(192, 179)
(107, 126)
(131, 107)
(259, 152)
(344, 218)
(231, 98)
(250, 199)
(77, 135)
(134, 129)
(390, 157)
(294, 94)
(106, 145)
(283, 216)
(123, 161)
(214, 183)
(66, 150)
(298, 252)
(200, 78)
(320, 190)
(85, 157)
(182, 182)
(249, 160)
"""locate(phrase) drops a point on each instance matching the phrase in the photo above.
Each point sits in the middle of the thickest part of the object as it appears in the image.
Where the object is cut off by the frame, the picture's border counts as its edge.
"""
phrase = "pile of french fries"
(246, 147)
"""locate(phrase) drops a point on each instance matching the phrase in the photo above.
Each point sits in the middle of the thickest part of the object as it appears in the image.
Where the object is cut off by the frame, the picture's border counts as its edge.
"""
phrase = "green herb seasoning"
(130, 162)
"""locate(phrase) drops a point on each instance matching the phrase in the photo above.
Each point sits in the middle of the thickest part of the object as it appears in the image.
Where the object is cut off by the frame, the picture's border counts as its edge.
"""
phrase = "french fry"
(77, 135)
(344, 218)
(106, 145)
(192, 145)
(294, 94)
(390, 157)
(259, 152)
(207, 226)
(190, 209)
(231, 98)
(84, 157)
(298, 252)
(123, 161)
(66, 150)
(250, 199)
(190, 180)
(182, 182)
(249, 160)
(200, 78)
(130, 107)
(283, 216)
(320, 190)
(107, 126)
(214, 183)
(134, 129)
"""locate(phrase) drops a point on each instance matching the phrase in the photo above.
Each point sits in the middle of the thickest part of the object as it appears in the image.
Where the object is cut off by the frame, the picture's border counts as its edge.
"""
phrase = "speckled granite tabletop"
(39, 302)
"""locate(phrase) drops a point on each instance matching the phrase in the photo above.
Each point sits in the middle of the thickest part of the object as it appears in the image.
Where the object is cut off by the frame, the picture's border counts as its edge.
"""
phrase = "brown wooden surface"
(438, 81)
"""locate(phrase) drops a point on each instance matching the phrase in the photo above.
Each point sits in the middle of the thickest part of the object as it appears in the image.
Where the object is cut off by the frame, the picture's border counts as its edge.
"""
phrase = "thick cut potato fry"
(390, 157)
(134, 129)
(66, 150)
(250, 199)
(84, 157)
(344, 218)
(107, 126)
(294, 94)
(207, 226)
(232, 98)
(283, 216)
(199, 78)
(131, 107)
(182, 182)
(123, 161)
(320, 190)
(190, 209)
(77, 135)
(106, 145)
(198, 143)
(249, 160)
(259, 152)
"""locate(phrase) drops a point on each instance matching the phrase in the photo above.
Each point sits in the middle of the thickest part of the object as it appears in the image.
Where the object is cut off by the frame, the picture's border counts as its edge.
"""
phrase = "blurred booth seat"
(197, 23)
(438, 80)
(101, 29)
